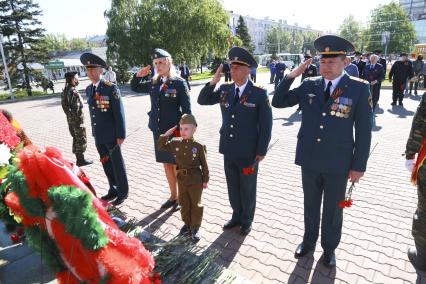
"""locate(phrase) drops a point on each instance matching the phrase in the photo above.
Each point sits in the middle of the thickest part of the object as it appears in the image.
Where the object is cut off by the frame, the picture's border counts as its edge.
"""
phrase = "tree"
(392, 18)
(241, 31)
(352, 30)
(277, 40)
(290, 41)
(51, 43)
(188, 29)
(20, 26)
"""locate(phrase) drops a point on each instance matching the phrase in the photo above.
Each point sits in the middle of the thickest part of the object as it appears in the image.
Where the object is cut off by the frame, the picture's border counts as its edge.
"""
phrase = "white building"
(259, 28)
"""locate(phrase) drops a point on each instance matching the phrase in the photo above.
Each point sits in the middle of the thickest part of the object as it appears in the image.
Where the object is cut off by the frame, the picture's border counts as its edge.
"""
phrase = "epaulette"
(108, 83)
(359, 79)
(176, 139)
(312, 78)
(259, 86)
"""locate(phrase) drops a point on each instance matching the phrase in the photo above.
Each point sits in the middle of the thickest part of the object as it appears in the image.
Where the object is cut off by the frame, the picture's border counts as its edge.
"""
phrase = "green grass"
(21, 94)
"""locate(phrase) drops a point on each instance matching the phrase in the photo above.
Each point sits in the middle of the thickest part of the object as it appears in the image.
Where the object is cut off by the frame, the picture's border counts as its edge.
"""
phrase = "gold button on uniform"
(324, 114)
(232, 116)
(230, 135)
(232, 126)
(318, 139)
(321, 126)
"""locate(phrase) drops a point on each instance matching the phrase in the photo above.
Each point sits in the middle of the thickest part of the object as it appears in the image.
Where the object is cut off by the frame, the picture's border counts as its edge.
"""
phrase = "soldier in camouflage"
(72, 104)
(416, 144)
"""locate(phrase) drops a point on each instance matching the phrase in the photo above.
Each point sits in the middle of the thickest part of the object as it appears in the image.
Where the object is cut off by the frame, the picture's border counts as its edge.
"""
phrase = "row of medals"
(102, 104)
(340, 110)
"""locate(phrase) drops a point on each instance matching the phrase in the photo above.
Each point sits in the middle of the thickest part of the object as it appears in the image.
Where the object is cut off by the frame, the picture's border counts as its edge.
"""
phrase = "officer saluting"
(331, 106)
(108, 126)
(244, 135)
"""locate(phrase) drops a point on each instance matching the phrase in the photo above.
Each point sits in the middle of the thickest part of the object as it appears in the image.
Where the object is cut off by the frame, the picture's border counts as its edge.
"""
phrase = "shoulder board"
(259, 86)
(312, 78)
(359, 79)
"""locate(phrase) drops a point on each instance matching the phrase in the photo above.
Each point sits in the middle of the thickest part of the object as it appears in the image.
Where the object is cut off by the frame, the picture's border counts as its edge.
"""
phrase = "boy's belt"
(184, 172)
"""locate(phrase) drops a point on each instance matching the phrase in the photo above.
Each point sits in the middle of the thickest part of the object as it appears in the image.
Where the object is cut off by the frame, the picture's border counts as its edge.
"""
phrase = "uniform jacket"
(246, 128)
(106, 112)
(279, 69)
(352, 70)
(377, 73)
(72, 104)
(418, 131)
(326, 139)
(361, 64)
(189, 155)
(167, 104)
(401, 71)
(382, 61)
(184, 71)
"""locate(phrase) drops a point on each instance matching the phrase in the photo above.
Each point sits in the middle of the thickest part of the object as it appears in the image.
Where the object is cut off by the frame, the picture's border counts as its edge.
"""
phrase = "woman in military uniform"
(169, 100)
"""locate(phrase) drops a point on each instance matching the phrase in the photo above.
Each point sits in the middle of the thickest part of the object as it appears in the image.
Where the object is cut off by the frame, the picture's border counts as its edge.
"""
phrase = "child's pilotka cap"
(188, 119)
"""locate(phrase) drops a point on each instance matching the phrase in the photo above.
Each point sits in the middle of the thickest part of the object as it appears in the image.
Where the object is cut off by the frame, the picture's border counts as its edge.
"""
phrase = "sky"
(81, 18)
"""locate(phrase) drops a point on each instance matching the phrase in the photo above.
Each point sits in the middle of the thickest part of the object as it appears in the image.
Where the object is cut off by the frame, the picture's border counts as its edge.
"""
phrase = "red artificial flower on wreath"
(248, 171)
(8, 133)
(155, 278)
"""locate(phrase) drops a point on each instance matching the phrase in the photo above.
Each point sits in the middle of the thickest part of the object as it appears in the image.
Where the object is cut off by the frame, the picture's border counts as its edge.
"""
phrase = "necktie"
(94, 90)
(237, 96)
(327, 91)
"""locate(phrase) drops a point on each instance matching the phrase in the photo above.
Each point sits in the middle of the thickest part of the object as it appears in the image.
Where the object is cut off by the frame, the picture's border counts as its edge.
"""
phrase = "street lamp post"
(5, 67)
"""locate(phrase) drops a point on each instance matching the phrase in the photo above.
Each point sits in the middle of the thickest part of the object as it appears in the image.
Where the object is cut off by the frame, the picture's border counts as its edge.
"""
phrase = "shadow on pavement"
(158, 220)
(400, 111)
(302, 270)
(228, 244)
(323, 274)
(294, 117)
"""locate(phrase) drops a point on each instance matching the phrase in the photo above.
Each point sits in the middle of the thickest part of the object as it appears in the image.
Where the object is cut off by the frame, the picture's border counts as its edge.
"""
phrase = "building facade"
(416, 10)
(259, 28)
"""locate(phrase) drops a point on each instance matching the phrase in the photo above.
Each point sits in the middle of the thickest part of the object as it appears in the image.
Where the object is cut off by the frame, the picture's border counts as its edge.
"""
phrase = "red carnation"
(15, 238)
(104, 159)
(164, 88)
(248, 171)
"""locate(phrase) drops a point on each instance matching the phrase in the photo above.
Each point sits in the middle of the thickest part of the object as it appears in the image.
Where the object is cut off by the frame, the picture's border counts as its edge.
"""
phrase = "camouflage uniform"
(72, 104)
(416, 145)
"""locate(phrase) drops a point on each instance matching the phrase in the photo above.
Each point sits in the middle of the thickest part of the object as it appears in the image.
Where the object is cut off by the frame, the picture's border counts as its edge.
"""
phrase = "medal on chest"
(102, 102)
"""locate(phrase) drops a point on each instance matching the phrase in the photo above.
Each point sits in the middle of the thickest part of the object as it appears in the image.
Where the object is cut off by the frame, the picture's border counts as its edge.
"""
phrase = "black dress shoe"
(109, 197)
(231, 224)
(119, 200)
(184, 230)
(169, 203)
(393, 104)
(176, 207)
(195, 235)
(84, 162)
(417, 261)
(245, 230)
(329, 259)
(302, 250)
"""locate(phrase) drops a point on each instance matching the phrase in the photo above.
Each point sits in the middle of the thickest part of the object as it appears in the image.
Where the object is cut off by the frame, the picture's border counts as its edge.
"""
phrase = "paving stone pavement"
(377, 229)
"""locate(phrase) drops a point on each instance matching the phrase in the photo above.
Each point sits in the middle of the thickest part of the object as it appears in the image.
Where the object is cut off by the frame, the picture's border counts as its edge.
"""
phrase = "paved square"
(377, 229)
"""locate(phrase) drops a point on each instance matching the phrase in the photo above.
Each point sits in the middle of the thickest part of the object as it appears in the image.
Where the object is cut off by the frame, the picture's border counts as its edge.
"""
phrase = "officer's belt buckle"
(183, 172)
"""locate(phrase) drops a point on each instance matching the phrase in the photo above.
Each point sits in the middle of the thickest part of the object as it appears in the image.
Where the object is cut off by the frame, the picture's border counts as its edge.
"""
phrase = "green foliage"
(393, 18)
(242, 33)
(188, 29)
(21, 28)
(279, 40)
(59, 43)
(41, 242)
(74, 209)
(32, 206)
(122, 72)
(22, 94)
(352, 30)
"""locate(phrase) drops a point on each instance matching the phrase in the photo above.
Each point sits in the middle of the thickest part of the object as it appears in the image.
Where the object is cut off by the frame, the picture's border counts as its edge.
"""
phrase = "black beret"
(160, 53)
(241, 56)
(91, 60)
(70, 74)
(332, 46)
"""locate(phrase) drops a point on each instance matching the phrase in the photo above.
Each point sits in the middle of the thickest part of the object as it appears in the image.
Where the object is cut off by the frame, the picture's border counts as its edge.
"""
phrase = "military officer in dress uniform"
(374, 73)
(333, 105)
(244, 135)
(169, 96)
(400, 72)
(416, 144)
(359, 63)
(108, 126)
(72, 104)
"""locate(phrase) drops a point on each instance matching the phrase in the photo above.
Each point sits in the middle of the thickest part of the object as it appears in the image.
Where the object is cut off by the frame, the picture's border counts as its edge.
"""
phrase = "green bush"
(19, 94)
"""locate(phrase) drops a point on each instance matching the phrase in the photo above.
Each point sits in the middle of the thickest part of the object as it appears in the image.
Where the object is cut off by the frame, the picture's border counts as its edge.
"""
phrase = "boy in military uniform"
(72, 104)
(416, 144)
(108, 126)
(192, 172)
(244, 135)
(333, 106)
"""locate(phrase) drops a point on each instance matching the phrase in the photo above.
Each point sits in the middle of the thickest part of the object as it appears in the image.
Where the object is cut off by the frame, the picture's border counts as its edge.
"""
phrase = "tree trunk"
(23, 58)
